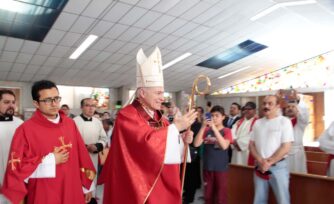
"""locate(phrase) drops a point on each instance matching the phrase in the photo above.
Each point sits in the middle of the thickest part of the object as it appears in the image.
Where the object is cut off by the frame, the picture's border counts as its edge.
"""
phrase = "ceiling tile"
(173, 26)
(65, 21)
(155, 39)
(95, 8)
(66, 63)
(79, 64)
(114, 58)
(142, 36)
(104, 66)
(167, 41)
(161, 22)
(8, 56)
(17, 67)
(182, 6)
(196, 32)
(101, 28)
(177, 43)
(129, 34)
(61, 51)
(211, 12)
(45, 49)
(23, 58)
(54, 36)
(89, 54)
(189, 26)
(6, 66)
(91, 66)
(3, 75)
(117, 12)
(2, 42)
(70, 39)
(188, 46)
(82, 24)
(130, 1)
(116, 30)
(102, 56)
(148, 4)
(132, 16)
(76, 6)
(114, 46)
(195, 11)
(45, 70)
(127, 48)
(14, 76)
(26, 77)
(59, 72)
(38, 77)
(101, 44)
(147, 19)
(52, 61)
(164, 6)
(72, 72)
(38, 60)
(13, 44)
(31, 69)
(30, 47)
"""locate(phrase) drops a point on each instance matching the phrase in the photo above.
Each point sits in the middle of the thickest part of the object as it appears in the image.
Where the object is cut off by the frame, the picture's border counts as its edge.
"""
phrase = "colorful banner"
(317, 72)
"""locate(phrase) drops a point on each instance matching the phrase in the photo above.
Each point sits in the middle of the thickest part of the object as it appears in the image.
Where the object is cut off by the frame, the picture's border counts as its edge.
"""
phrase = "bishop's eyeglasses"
(48, 101)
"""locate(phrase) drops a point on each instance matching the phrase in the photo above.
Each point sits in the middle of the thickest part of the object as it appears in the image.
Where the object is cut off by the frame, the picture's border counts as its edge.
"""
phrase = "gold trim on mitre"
(89, 173)
(149, 69)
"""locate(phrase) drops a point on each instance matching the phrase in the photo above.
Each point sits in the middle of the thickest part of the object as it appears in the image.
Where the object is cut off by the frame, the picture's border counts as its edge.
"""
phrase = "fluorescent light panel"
(279, 5)
(89, 40)
(234, 72)
(176, 60)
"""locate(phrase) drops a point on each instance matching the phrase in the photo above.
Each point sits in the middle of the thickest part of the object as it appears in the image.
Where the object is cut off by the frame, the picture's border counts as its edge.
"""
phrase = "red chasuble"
(35, 139)
(134, 171)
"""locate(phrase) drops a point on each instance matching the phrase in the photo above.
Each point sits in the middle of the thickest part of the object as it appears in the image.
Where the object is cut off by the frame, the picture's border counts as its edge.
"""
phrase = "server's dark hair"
(41, 85)
(6, 91)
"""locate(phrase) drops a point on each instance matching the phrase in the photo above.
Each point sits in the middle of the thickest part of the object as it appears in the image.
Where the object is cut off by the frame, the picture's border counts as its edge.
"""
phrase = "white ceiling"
(202, 27)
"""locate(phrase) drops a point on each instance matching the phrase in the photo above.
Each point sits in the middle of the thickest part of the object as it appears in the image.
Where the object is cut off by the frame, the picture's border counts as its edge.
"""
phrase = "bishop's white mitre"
(149, 69)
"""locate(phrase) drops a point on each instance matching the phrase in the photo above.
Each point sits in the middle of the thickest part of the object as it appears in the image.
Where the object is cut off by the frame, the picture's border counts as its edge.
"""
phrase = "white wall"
(329, 107)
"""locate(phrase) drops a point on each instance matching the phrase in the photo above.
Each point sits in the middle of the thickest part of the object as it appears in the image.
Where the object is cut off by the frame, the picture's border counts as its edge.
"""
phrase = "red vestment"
(33, 140)
(134, 171)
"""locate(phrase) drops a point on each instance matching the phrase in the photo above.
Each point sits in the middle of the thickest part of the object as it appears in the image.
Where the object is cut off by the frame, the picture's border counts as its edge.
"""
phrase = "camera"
(208, 116)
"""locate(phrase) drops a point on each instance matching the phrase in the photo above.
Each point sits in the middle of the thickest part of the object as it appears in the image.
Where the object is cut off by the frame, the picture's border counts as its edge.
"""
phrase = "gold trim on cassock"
(161, 168)
(89, 173)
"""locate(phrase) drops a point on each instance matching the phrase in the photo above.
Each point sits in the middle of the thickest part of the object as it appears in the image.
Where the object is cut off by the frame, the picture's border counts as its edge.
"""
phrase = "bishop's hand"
(185, 121)
(61, 155)
(188, 137)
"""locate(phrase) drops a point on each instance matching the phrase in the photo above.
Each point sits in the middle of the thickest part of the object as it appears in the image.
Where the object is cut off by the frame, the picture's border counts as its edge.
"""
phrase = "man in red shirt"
(48, 161)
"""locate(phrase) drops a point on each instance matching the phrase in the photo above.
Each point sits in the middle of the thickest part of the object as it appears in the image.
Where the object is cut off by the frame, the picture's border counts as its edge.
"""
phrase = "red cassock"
(134, 171)
(35, 139)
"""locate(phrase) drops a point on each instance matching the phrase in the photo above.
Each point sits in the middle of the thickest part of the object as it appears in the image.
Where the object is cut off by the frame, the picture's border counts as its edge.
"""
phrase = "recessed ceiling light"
(176, 60)
(234, 72)
(89, 40)
(279, 5)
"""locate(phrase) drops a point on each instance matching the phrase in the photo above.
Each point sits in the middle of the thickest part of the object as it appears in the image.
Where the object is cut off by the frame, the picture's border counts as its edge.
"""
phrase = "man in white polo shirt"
(270, 143)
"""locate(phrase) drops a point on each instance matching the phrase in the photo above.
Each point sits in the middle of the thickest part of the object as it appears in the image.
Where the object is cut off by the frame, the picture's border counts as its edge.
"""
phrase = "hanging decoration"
(317, 72)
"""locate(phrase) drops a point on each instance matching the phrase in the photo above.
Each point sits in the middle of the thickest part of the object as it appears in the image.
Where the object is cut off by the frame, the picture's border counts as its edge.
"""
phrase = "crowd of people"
(56, 157)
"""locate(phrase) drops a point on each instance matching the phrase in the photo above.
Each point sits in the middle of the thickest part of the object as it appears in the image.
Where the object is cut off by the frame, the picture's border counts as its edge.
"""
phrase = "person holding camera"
(216, 139)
